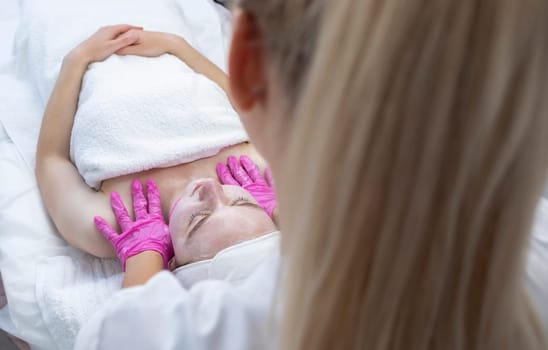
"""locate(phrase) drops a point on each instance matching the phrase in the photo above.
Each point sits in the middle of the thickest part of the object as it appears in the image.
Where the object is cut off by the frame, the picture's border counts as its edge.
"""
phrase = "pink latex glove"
(149, 230)
(246, 174)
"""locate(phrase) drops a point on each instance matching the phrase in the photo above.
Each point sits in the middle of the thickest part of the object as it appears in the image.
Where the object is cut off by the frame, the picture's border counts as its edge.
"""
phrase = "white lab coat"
(233, 313)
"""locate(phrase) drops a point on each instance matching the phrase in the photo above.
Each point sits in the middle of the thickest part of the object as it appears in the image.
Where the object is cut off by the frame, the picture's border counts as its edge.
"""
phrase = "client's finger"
(118, 29)
(120, 211)
(154, 200)
(252, 170)
(106, 230)
(238, 172)
(129, 38)
(225, 176)
(139, 200)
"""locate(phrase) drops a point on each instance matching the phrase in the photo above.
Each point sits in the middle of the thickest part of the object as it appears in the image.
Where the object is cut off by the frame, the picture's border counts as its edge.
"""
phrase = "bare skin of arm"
(63, 189)
(141, 267)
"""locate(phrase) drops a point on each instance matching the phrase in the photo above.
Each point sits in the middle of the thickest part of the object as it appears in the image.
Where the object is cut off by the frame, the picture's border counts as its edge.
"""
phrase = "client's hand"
(151, 44)
(105, 42)
(246, 174)
(148, 232)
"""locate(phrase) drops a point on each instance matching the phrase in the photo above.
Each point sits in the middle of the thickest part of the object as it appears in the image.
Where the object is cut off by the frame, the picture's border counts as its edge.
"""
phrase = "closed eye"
(204, 215)
(196, 215)
(245, 201)
(240, 199)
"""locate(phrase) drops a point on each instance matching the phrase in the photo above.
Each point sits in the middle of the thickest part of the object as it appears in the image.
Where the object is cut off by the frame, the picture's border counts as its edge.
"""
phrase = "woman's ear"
(246, 66)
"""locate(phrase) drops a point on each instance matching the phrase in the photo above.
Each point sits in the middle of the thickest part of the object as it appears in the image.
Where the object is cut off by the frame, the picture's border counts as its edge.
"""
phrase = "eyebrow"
(207, 216)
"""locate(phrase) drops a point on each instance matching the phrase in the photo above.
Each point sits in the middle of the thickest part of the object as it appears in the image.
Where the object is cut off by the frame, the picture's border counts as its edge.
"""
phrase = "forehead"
(233, 189)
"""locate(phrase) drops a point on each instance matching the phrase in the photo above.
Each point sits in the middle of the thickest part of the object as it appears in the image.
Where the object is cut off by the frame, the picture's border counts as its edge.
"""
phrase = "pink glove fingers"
(238, 172)
(252, 170)
(149, 230)
(120, 211)
(106, 230)
(139, 200)
(225, 176)
(249, 177)
(269, 178)
(154, 201)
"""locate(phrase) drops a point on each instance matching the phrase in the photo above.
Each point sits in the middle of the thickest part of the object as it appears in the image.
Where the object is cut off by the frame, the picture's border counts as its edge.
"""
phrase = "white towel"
(233, 264)
(69, 290)
(134, 113)
(139, 113)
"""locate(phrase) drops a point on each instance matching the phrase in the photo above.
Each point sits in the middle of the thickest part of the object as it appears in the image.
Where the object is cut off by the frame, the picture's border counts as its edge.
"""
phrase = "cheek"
(205, 246)
(178, 220)
(177, 240)
(196, 250)
(177, 230)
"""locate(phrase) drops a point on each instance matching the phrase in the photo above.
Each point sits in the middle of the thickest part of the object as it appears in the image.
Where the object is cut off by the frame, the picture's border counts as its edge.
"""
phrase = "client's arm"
(69, 201)
(152, 44)
(199, 63)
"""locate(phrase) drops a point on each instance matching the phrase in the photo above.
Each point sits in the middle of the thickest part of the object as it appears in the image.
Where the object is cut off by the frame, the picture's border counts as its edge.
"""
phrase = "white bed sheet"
(22, 217)
(27, 235)
(9, 13)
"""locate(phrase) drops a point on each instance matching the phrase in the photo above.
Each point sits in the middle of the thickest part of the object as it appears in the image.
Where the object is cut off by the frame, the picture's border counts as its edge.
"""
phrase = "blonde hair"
(417, 155)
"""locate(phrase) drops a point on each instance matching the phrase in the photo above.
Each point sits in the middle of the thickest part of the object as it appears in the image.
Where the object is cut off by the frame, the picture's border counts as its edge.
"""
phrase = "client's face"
(210, 217)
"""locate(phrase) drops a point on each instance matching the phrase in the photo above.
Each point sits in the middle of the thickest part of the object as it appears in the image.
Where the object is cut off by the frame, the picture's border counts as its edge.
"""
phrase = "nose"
(212, 192)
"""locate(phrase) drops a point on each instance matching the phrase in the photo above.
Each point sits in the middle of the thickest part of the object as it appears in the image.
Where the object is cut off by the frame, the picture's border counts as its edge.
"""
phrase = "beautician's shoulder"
(210, 315)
